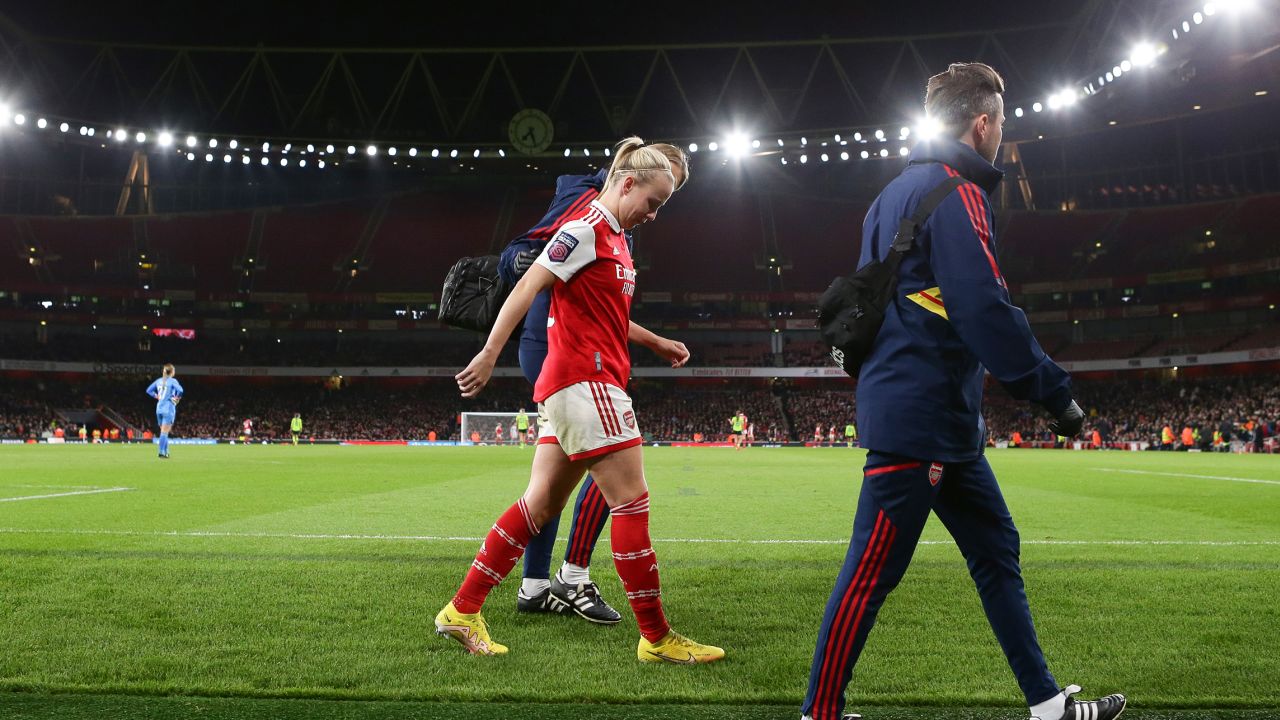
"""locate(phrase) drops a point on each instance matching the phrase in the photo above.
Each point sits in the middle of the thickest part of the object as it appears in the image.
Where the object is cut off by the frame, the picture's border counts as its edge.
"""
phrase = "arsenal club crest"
(561, 247)
(935, 473)
(629, 418)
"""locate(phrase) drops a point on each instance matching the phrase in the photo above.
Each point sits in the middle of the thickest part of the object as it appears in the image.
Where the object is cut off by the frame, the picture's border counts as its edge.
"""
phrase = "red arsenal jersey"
(590, 314)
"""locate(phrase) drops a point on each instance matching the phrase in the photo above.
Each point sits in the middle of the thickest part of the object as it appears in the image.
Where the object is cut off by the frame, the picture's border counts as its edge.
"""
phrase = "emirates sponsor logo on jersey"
(935, 473)
(561, 247)
(628, 278)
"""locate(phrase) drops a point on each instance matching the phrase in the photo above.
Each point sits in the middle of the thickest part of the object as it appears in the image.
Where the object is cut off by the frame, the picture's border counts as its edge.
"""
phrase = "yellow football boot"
(470, 630)
(677, 649)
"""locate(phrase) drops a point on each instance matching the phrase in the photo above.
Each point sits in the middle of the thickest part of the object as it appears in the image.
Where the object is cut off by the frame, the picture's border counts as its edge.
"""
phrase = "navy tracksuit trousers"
(897, 495)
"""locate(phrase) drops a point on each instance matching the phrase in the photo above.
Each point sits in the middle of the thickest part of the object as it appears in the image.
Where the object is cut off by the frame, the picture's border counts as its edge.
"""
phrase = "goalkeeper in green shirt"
(295, 427)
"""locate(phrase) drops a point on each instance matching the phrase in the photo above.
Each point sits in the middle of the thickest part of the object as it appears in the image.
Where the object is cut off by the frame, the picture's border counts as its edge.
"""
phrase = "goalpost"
(480, 428)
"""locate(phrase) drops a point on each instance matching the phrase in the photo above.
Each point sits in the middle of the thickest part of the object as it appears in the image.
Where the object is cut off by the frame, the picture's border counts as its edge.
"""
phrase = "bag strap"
(909, 228)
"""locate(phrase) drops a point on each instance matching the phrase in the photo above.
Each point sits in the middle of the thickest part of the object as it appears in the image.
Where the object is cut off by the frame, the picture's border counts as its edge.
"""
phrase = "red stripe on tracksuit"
(843, 659)
(577, 206)
(828, 652)
(890, 468)
(845, 627)
(593, 508)
(978, 216)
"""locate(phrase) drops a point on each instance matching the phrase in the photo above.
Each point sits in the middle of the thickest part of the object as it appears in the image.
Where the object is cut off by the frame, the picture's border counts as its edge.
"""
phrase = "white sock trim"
(1052, 709)
(572, 574)
(532, 586)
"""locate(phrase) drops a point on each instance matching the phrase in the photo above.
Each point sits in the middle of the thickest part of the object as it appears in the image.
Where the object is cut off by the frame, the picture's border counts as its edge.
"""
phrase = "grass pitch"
(236, 577)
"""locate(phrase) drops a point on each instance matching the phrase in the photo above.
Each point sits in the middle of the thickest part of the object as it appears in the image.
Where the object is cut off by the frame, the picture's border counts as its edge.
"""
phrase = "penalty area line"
(707, 541)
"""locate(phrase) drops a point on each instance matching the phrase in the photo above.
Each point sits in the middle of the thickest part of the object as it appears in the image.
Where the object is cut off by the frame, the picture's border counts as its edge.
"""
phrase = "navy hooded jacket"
(573, 194)
(919, 392)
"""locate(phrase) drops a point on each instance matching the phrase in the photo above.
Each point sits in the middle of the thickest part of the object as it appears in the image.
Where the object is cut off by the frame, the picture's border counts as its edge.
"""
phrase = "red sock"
(499, 552)
(638, 566)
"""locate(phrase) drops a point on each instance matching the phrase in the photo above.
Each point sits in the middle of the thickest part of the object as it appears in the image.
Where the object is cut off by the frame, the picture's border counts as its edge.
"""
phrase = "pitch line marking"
(50, 487)
(65, 494)
(462, 538)
(1188, 475)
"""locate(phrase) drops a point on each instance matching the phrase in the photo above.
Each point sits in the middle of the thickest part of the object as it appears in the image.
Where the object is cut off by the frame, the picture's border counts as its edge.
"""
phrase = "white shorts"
(588, 419)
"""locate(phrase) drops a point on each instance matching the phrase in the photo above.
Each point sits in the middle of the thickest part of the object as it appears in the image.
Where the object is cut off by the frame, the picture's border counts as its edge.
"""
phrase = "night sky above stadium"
(440, 24)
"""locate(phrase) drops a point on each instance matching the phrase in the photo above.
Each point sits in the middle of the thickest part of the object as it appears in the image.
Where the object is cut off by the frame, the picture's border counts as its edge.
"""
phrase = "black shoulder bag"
(473, 294)
(852, 309)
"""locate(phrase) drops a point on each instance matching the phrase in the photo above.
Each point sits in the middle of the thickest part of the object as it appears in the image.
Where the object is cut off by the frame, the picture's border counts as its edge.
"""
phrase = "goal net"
(495, 428)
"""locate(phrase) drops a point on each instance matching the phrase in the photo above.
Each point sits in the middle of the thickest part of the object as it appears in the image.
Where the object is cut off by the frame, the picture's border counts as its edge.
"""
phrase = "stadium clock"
(530, 131)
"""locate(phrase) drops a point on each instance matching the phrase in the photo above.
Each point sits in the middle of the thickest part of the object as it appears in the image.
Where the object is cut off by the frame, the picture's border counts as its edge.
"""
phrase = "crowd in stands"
(672, 412)
(22, 412)
(829, 410)
(1170, 415)
(1245, 409)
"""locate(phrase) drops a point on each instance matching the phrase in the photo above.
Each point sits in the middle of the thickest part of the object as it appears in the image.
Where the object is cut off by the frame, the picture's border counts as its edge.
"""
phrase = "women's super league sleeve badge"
(561, 247)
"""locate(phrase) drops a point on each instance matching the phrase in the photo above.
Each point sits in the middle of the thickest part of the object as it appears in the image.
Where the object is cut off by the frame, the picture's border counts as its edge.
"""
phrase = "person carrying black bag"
(947, 321)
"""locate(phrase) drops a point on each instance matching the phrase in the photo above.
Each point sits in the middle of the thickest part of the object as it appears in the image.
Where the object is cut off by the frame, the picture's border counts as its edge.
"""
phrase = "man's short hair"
(965, 91)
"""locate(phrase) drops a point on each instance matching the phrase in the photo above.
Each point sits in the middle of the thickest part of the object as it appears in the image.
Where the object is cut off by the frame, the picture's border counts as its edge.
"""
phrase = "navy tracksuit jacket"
(919, 402)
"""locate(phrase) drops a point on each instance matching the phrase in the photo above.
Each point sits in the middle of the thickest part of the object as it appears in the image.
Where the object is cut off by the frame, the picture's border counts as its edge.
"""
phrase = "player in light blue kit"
(167, 391)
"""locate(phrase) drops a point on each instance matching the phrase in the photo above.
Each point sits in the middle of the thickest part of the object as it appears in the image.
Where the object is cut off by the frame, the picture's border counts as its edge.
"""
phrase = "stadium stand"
(422, 236)
(1049, 245)
(680, 257)
(820, 238)
(199, 252)
(309, 248)
(87, 252)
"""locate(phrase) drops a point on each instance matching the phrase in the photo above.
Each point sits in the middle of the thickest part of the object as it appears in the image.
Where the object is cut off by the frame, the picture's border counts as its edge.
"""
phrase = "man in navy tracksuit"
(571, 590)
(919, 405)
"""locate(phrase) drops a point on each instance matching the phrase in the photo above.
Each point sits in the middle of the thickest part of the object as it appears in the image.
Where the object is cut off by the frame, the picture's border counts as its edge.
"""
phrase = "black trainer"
(583, 599)
(540, 603)
(1106, 708)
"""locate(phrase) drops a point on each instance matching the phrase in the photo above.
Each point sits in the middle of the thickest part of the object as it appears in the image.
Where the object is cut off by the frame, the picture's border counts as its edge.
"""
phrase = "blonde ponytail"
(632, 157)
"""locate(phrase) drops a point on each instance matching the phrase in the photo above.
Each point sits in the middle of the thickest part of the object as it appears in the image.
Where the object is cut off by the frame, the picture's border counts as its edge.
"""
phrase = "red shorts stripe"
(596, 392)
(595, 397)
(613, 412)
(890, 468)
